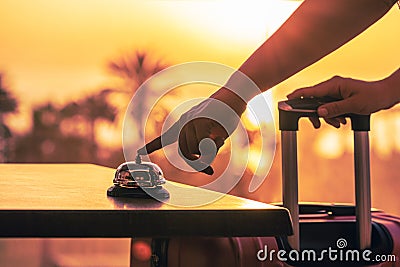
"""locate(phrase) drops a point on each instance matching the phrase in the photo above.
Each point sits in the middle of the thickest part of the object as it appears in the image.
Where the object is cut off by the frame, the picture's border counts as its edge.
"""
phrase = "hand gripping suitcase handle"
(292, 110)
(289, 114)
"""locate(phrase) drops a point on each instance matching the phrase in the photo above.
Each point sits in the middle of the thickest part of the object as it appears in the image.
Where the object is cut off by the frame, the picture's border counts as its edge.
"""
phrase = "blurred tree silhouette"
(8, 104)
(66, 134)
(91, 109)
(134, 70)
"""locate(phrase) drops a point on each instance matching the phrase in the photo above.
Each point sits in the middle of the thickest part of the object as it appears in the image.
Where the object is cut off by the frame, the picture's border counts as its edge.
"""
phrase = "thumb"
(335, 109)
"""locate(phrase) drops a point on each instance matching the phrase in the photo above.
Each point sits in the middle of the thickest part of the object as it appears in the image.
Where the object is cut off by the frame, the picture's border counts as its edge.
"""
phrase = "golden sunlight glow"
(107, 135)
(245, 22)
(258, 111)
(384, 137)
(382, 141)
(254, 160)
(249, 121)
(329, 144)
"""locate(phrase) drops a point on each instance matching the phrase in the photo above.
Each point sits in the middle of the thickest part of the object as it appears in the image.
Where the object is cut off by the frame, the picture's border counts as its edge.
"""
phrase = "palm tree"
(91, 108)
(134, 70)
(8, 104)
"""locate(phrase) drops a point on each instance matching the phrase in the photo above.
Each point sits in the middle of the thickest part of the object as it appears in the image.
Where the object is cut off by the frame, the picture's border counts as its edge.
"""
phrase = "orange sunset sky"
(57, 50)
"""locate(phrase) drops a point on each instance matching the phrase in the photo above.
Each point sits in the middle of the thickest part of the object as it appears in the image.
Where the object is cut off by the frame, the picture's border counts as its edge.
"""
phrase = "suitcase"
(358, 236)
(324, 234)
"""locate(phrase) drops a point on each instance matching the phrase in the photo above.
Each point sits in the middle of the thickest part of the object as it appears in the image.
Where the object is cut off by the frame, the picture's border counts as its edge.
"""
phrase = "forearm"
(314, 30)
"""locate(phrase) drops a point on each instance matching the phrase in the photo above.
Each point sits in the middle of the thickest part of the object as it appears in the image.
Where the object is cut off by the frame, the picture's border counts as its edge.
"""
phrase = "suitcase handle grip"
(289, 118)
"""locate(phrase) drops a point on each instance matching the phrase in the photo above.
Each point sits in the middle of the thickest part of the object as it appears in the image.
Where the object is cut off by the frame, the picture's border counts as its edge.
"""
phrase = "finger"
(342, 120)
(170, 136)
(150, 147)
(219, 142)
(332, 121)
(337, 108)
(189, 146)
(195, 162)
(315, 121)
(215, 135)
(192, 142)
(208, 170)
(218, 131)
(184, 150)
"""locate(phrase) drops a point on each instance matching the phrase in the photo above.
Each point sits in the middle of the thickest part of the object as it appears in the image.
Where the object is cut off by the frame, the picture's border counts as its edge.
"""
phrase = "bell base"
(118, 191)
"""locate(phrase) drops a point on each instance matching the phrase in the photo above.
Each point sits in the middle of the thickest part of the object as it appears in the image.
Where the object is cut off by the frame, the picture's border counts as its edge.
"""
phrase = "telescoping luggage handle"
(290, 112)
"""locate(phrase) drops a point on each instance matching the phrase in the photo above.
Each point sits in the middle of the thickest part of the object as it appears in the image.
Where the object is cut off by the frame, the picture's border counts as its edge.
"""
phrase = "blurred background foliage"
(70, 132)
